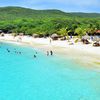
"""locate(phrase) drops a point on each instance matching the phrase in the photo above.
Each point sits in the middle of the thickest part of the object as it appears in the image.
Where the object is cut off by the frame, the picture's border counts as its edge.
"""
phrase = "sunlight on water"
(23, 77)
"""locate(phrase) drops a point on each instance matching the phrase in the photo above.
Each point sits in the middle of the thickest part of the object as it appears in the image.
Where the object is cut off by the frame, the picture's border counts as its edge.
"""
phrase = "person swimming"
(8, 50)
(36, 52)
(15, 51)
(19, 52)
(34, 56)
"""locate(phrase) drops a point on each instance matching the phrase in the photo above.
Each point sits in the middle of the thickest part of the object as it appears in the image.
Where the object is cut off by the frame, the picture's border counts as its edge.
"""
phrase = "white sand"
(46, 41)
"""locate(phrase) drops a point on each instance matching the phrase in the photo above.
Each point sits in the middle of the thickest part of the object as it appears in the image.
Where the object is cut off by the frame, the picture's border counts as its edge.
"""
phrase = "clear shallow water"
(22, 77)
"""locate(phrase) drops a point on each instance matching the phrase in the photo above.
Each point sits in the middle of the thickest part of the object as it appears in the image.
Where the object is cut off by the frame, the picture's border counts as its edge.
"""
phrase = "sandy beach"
(84, 54)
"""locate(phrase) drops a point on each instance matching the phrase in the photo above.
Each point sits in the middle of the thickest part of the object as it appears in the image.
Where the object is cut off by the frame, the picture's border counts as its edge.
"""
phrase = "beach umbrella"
(21, 34)
(2, 34)
(86, 37)
(0, 31)
(54, 36)
(98, 31)
(35, 35)
(96, 38)
(9, 32)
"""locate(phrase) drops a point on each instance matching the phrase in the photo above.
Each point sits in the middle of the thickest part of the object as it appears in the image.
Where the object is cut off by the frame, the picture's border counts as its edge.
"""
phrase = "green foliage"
(62, 32)
(80, 31)
(47, 22)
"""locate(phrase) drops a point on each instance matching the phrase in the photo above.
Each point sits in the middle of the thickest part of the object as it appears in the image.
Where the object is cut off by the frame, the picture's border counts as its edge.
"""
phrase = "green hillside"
(19, 12)
(10, 13)
(46, 22)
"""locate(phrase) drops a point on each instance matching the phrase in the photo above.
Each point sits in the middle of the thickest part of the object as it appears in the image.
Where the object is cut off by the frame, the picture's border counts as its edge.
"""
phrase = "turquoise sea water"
(23, 77)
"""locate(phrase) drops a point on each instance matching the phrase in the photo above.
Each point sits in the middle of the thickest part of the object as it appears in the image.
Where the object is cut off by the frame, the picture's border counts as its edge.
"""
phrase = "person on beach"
(50, 40)
(71, 36)
(91, 38)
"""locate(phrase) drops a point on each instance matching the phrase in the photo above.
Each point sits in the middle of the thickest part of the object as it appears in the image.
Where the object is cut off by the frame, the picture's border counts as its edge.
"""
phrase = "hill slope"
(10, 13)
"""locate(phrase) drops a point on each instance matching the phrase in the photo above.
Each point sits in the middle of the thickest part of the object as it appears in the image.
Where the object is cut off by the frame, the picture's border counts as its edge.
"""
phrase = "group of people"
(49, 53)
(17, 52)
(35, 55)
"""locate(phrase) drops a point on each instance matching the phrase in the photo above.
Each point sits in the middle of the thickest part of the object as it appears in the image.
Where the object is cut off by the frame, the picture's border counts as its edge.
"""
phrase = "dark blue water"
(23, 77)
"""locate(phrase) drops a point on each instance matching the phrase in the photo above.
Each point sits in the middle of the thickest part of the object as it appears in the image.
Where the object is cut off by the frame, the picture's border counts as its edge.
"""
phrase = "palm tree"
(80, 32)
(91, 28)
(62, 32)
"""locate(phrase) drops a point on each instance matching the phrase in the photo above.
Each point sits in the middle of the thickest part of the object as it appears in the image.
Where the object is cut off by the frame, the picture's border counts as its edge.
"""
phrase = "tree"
(62, 32)
(80, 31)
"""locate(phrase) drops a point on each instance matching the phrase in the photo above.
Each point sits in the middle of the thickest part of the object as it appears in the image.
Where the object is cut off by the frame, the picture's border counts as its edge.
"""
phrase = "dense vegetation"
(46, 22)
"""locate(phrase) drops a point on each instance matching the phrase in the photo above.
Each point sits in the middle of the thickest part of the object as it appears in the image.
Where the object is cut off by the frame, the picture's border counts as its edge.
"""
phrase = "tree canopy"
(46, 22)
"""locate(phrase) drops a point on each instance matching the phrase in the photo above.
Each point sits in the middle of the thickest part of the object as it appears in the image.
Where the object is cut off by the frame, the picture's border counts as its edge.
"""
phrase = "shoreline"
(84, 54)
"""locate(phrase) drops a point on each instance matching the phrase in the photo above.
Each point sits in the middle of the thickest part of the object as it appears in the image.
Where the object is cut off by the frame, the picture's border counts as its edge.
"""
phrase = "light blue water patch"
(23, 77)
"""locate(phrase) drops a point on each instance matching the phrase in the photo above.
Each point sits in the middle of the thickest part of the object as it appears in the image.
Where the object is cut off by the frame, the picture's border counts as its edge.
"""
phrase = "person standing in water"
(51, 52)
(47, 53)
